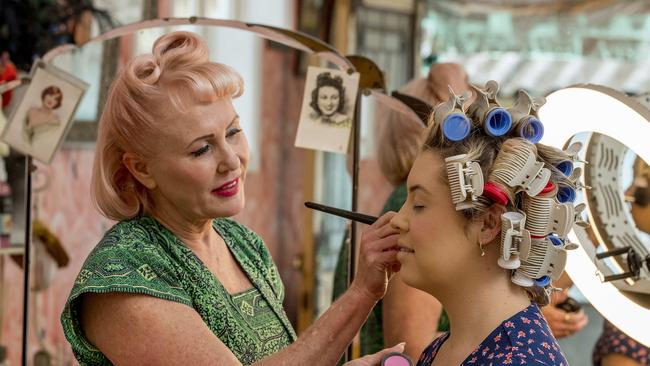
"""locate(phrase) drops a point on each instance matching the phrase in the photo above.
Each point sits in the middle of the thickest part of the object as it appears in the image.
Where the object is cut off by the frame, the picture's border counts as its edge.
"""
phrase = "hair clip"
(545, 216)
(515, 240)
(465, 181)
(524, 116)
(496, 119)
(450, 115)
(573, 150)
(577, 218)
(523, 170)
(566, 245)
(574, 178)
(547, 258)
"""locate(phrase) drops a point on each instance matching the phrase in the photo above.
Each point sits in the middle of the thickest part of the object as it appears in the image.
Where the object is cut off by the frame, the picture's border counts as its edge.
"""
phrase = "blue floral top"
(614, 341)
(523, 339)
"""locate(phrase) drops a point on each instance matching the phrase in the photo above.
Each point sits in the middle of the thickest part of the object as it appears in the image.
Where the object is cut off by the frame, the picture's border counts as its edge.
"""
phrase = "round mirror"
(611, 267)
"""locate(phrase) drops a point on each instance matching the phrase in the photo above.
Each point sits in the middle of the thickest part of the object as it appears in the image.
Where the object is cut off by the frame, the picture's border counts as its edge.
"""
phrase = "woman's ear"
(491, 223)
(139, 169)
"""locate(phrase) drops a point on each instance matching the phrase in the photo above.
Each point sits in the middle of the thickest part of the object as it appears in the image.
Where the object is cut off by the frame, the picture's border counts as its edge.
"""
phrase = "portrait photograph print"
(327, 110)
(43, 116)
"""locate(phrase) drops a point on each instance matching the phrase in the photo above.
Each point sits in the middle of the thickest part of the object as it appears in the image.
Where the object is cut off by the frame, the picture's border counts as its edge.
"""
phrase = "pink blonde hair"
(175, 76)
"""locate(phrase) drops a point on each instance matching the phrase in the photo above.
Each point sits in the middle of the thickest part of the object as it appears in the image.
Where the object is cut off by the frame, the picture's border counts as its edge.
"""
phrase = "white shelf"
(13, 250)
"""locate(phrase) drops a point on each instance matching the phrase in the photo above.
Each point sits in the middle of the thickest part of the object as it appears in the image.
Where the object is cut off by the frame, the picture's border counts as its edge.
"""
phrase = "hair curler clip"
(515, 240)
(465, 181)
(545, 216)
(577, 218)
(574, 178)
(526, 172)
(566, 245)
(496, 119)
(524, 115)
(573, 150)
(450, 115)
(547, 258)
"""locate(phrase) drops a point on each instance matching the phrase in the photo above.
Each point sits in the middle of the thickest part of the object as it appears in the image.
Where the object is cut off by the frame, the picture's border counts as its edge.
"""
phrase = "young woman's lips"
(228, 190)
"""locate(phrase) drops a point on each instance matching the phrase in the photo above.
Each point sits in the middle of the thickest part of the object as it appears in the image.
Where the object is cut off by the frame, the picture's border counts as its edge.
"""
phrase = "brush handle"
(350, 215)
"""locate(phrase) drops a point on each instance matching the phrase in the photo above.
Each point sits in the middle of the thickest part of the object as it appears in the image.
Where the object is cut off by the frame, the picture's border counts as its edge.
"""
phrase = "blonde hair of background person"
(409, 314)
(171, 158)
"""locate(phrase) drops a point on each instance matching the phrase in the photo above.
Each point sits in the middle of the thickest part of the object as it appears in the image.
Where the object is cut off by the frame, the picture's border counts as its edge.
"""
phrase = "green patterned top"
(141, 256)
(372, 334)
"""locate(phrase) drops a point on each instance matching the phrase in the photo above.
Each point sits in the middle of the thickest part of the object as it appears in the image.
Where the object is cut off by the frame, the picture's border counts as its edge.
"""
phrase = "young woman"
(462, 191)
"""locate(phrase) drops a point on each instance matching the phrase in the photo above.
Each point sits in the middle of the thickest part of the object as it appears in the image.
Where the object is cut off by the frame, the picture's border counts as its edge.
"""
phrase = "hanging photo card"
(44, 115)
(327, 110)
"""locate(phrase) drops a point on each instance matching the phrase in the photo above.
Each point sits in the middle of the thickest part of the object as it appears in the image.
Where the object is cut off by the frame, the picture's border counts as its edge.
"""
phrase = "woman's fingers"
(375, 359)
(381, 228)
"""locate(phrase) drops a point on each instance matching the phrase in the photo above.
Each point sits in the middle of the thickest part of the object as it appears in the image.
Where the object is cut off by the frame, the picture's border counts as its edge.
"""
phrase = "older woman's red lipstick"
(229, 189)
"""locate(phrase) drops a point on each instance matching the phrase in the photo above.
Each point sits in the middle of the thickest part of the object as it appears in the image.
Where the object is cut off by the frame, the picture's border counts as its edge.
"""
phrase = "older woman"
(175, 281)
(451, 245)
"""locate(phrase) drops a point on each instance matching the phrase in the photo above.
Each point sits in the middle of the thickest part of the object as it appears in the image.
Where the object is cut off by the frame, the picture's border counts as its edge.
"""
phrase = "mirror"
(619, 124)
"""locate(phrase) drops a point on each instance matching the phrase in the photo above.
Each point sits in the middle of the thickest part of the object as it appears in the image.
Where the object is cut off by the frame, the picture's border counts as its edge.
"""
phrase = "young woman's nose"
(399, 221)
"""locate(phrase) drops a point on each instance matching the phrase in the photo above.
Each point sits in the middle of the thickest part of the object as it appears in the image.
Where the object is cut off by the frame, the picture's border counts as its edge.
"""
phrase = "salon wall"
(274, 193)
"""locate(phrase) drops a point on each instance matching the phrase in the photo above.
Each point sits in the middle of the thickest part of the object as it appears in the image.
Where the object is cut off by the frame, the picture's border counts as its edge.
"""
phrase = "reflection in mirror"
(617, 210)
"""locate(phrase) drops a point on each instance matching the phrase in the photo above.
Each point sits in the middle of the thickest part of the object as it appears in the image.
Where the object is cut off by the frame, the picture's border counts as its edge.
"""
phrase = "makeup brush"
(350, 215)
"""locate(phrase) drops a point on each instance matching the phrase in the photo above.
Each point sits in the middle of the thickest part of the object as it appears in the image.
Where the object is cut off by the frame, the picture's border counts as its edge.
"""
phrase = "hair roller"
(544, 215)
(495, 119)
(524, 115)
(451, 117)
(516, 166)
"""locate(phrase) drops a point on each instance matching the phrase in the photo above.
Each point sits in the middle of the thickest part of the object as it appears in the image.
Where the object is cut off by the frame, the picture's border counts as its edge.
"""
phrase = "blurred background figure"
(8, 73)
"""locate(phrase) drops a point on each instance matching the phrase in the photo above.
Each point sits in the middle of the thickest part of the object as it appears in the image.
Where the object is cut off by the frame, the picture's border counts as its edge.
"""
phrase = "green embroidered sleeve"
(127, 259)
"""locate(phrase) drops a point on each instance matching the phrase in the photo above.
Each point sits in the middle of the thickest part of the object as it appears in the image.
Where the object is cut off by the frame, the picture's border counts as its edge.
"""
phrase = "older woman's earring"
(480, 245)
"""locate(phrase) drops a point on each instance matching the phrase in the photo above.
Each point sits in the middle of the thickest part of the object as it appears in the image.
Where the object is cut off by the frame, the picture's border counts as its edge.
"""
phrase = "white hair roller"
(545, 216)
(516, 165)
(515, 240)
(547, 258)
(465, 181)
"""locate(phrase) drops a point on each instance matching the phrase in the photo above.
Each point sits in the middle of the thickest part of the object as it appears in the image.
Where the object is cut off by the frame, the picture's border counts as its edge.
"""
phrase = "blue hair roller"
(566, 194)
(555, 240)
(498, 122)
(456, 126)
(543, 281)
(566, 167)
(532, 130)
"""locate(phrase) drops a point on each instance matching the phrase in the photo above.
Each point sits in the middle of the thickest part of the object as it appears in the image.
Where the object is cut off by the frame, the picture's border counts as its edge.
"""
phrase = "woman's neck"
(196, 234)
(478, 305)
